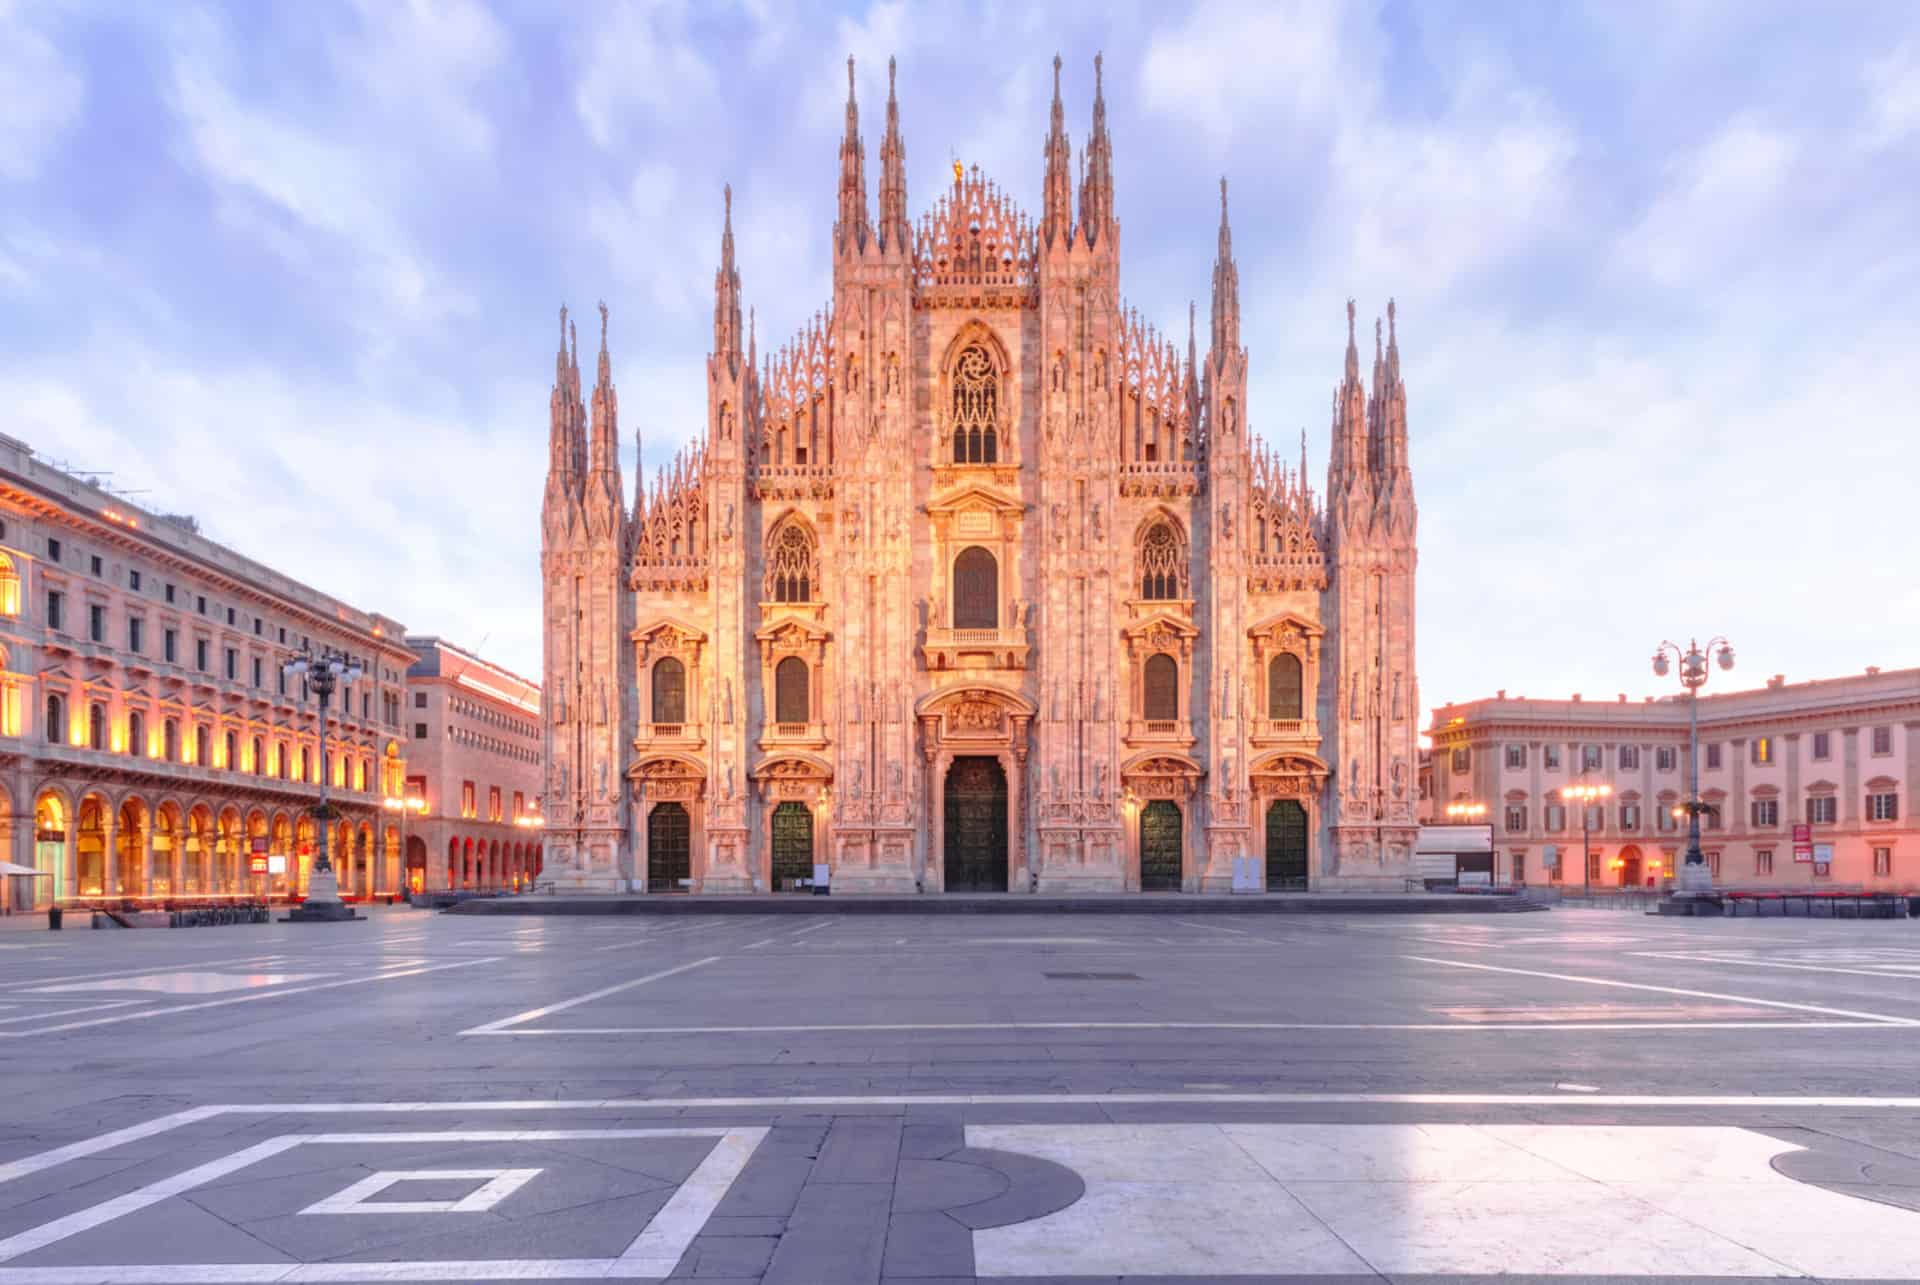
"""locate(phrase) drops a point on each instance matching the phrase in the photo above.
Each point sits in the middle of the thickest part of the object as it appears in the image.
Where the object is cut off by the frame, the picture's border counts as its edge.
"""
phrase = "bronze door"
(1160, 847)
(976, 824)
(1286, 847)
(669, 848)
(792, 847)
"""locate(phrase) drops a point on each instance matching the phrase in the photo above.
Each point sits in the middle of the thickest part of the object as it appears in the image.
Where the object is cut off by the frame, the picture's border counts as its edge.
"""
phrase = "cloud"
(1235, 68)
(1893, 88)
(641, 69)
(1738, 173)
(43, 94)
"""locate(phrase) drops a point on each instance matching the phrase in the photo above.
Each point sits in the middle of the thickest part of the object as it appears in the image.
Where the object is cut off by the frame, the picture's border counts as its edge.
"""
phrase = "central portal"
(976, 826)
(792, 866)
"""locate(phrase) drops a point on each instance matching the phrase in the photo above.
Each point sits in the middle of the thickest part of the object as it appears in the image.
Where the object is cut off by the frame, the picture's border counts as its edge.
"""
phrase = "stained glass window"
(976, 397)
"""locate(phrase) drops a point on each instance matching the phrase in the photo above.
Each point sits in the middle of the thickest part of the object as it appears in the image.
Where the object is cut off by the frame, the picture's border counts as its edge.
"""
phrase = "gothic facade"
(979, 583)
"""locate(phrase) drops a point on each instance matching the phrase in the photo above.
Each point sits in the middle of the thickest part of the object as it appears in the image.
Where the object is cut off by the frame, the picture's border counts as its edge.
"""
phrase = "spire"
(602, 457)
(1353, 353)
(561, 407)
(1056, 221)
(1226, 287)
(1393, 346)
(851, 233)
(894, 234)
(639, 476)
(1096, 189)
(726, 293)
(577, 434)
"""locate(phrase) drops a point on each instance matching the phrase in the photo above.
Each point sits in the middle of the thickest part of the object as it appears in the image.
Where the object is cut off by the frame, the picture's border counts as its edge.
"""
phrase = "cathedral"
(980, 584)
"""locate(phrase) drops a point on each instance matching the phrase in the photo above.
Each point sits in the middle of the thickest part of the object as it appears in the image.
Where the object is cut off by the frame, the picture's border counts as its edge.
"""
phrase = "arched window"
(56, 719)
(791, 573)
(1162, 563)
(976, 590)
(976, 407)
(170, 740)
(233, 753)
(1162, 696)
(136, 734)
(259, 756)
(1283, 687)
(97, 727)
(790, 697)
(306, 769)
(669, 691)
(200, 746)
(9, 587)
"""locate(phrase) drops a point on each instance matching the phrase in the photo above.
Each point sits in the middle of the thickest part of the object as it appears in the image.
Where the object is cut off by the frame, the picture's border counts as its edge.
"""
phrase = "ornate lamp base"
(323, 904)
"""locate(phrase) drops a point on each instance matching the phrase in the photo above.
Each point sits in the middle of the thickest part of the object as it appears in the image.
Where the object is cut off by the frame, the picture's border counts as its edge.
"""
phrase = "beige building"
(472, 803)
(1810, 784)
(151, 747)
(980, 583)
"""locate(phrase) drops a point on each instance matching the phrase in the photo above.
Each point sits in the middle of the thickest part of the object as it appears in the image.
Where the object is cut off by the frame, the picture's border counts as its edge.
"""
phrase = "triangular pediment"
(659, 625)
(793, 628)
(975, 496)
(1160, 624)
(1282, 622)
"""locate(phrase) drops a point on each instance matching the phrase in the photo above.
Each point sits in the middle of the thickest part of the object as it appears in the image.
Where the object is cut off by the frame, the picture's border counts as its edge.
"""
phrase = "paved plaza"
(1582, 1095)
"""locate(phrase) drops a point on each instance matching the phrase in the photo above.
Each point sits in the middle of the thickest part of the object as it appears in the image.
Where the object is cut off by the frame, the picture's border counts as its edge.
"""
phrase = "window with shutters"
(792, 564)
(669, 691)
(1162, 563)
(791, 700)
(1161, 699)
(1283, 687)
(976, 407)
(976, 590)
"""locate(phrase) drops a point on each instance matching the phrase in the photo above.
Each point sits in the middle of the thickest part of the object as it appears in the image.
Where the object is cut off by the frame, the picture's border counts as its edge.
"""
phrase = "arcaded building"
(151, 746)
(980, 583)
(471, 809)
(1808, 784)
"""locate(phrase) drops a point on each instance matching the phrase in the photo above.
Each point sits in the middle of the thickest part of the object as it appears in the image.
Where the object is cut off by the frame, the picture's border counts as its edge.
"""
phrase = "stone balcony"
(1162, 733)
(1006, 647)
(794, 736)
(1160, 478)
(670, 736)
(1298, 733)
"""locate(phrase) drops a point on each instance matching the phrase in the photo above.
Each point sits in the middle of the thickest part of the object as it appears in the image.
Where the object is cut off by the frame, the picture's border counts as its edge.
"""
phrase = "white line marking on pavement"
(27, 1165)
(499, 1027)
(657, 1249)
(1571, 1087)
(1709, 958)
(1671, 990)
(169, 1010)
(1879, 1024)
(141, 972)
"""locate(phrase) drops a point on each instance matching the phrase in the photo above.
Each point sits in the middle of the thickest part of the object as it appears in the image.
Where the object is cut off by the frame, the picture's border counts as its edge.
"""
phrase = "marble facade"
(980, 583)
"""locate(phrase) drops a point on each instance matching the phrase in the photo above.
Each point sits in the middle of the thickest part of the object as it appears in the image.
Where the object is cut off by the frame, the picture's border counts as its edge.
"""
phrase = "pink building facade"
(980, 584)
(151, 749)
(471, 807)
(1839, 757)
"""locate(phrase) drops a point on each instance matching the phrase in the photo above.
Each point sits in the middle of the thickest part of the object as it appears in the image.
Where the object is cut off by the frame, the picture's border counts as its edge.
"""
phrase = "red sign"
(1802, 842)
(258, 865)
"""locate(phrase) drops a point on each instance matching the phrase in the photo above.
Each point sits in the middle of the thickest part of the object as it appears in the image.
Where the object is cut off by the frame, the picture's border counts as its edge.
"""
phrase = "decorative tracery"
(1162, 563)
(793, 566)
(976, 407)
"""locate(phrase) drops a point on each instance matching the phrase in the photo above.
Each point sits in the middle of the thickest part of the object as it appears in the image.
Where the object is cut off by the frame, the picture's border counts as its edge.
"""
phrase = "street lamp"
(403, 805)
(321, 673)
(1587, 795)
(1695, 878)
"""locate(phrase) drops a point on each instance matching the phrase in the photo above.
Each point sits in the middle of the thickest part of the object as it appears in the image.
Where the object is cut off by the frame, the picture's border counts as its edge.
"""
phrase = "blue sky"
(294, 268)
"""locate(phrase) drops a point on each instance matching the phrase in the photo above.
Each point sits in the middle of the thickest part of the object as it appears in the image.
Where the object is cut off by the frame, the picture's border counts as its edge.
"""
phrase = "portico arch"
(1297, 780)
(974, 722)
(668, 778)
(796, 790)
(1157, 791)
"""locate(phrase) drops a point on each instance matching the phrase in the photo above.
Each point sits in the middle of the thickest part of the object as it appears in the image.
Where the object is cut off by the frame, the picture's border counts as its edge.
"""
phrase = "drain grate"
(1093, 977)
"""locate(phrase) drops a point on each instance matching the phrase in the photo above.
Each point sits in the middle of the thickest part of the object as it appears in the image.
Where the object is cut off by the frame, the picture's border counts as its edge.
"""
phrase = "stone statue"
(1353, 701)
(1059, 524)
(1100, 779)
(1399, 778)
(560, 773)
(726, 527)
(897, 779)
(1226, 521)
(1054, 773)
(1093, 518)
(600, 773)
(854, 785)
(600, 701)
(560, 700)
(726, 780)
(729, 690)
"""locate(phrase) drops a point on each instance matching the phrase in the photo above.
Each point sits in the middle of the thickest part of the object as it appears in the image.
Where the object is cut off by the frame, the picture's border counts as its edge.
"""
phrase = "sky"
(295, 269)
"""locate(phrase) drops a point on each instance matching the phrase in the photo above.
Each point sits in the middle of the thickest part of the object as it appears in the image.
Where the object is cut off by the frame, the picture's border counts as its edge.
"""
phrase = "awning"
(12, 868)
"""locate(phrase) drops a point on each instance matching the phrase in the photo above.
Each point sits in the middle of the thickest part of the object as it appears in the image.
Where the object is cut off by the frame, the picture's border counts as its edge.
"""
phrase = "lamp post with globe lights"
(321, 672)
(1695, 879)
(1586, 796)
